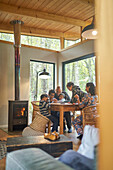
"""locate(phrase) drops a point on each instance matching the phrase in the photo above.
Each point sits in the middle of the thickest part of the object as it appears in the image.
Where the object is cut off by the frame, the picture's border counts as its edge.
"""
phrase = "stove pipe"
(17, 45)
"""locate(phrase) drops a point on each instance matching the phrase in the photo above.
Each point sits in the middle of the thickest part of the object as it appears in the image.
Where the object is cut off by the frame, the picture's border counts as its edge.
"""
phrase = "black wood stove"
(18, 115)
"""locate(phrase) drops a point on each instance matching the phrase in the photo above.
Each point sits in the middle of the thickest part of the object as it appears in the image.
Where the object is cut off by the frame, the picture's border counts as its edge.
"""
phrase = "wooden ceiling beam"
(38, 32)
(38, 14)
(88, 2)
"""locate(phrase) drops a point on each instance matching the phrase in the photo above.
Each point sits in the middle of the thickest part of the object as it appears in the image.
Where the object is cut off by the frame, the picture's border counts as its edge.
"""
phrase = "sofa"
(37, 159)
(33, 159)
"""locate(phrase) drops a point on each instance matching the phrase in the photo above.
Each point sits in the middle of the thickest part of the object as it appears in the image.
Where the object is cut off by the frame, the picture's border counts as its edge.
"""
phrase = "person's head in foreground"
(51, 94)
(61, 96)
(58, 90)
(44, 97)
(90, 88)
(70, 86)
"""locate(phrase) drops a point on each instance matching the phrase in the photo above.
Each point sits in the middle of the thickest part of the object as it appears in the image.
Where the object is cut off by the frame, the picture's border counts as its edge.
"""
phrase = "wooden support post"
(104, 49)
(61, 42)
(96, 75)
(81, 34)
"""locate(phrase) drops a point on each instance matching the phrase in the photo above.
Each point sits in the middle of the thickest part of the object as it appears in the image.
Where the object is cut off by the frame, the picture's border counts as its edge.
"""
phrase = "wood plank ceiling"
(48, 18)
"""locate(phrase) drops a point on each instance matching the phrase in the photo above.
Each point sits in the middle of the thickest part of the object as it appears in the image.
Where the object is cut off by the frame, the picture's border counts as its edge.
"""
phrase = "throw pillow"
(31, 132)
(76, 160)
(39, 123)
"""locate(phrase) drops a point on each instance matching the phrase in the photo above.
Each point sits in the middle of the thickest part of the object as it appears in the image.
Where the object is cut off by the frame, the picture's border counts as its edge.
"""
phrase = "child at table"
(43, 106)
(61, 98)
(66, 114)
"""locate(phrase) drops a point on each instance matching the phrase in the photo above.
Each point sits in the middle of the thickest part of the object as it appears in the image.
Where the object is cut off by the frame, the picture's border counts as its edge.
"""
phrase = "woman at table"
(58, 91)
(89, 99)
(75, 90)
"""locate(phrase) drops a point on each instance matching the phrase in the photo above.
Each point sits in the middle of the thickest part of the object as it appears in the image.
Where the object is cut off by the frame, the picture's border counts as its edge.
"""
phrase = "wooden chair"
(90, 115)
(75, 114)
(35, 110)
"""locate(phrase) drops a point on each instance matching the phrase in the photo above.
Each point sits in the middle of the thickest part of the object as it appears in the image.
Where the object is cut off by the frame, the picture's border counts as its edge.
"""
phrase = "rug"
(3, 149)
(3, 140)
(3, 135)
(11, 133)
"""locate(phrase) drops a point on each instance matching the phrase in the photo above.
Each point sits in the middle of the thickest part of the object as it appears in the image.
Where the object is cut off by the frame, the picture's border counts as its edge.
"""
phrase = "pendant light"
(44, 74)
(89, 32)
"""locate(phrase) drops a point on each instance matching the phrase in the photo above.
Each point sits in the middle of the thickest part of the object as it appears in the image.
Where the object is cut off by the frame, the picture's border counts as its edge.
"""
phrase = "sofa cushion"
(77, 161)
(33, 159)
(39, 123)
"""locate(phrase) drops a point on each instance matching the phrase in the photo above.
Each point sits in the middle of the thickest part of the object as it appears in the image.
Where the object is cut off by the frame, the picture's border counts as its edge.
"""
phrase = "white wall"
(75, 52)
(34, 54)
(6, 80)
(7, 74)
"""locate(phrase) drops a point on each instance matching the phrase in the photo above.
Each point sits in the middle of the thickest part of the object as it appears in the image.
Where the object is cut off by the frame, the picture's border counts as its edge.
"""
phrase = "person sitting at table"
(52, 96)
(67, 98)
(75, 90)
(61, 98)
(52, 99)
(89, 99)
(43, 106)
(67, 115)
(58, 91)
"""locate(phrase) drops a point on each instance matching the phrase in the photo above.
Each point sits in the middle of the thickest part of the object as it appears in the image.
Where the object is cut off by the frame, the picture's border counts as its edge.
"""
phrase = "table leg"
(61, 120)
(49, 127)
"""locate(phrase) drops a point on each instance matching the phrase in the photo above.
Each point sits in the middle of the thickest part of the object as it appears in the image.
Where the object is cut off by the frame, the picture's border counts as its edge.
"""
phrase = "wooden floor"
(72, 136)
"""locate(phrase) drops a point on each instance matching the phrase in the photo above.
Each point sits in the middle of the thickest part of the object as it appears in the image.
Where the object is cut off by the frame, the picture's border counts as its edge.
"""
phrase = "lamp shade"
(44, 74)
(90, 32)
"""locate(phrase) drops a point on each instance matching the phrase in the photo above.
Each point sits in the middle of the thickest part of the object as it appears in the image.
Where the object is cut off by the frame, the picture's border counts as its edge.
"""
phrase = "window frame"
(32, 36)
(53, 69)
(74, 60)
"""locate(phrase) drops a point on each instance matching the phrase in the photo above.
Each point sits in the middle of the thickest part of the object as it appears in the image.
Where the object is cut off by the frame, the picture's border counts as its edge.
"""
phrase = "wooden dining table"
(63, 107)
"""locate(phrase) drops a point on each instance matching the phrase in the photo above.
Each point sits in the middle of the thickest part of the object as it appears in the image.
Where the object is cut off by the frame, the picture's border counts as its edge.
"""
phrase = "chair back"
(36, 111)
(39, 123)
(90, 115)
(35, 108)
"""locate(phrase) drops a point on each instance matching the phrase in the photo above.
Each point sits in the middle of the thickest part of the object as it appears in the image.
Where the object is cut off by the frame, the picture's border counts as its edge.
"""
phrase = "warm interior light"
(44, 74)
(89, 31)
(94, 32)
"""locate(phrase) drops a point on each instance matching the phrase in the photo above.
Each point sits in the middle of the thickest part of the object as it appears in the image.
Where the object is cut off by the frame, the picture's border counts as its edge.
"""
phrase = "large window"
(68, 43)
(39, 86)
(79, 71)
(50, 43)
(43, 42)
(7, 37)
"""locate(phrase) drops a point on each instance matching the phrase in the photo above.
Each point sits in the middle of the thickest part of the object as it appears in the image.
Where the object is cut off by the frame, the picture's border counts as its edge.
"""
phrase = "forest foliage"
(43, 42)
(80, 72)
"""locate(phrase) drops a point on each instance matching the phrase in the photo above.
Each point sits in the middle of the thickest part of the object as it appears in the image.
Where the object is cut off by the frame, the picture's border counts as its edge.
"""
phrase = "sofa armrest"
(33, 159)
